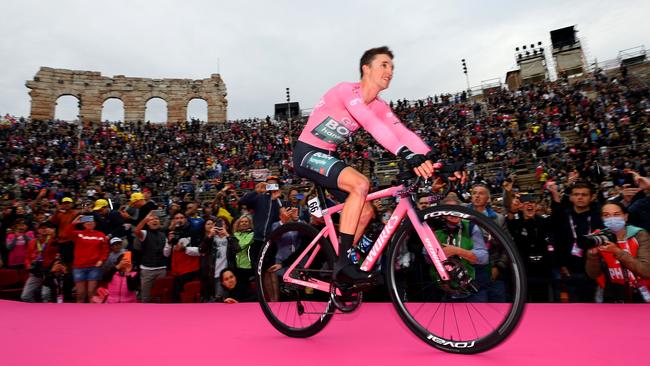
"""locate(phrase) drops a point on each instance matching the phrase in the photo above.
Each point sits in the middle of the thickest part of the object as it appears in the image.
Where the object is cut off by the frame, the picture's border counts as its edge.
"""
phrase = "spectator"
(152, 243)
(572, 221)
(285, 247)
(627, 260)
(195, 220)
(109, 221)
(219, 249)
(234, 291)
(62, 219)
(498, 264)
(532, 235)
(184, 252)
(116, 246)
(266, 203)
(38, 260)
(465, 242)
(120, 283)
(639, 208)
(141, 206)
(17, 239)
(243, 232)
(90, 253)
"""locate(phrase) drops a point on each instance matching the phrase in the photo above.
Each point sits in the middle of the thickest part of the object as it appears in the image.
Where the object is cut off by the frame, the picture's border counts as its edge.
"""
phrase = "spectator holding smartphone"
(219, 249)
(90, 253)
(639, 203)
(152, 243)
(184, 252)
(120, 283)
(266, 203)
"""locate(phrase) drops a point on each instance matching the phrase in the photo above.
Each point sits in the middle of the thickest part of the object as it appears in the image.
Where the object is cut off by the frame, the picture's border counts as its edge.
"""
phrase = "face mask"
(615, 223)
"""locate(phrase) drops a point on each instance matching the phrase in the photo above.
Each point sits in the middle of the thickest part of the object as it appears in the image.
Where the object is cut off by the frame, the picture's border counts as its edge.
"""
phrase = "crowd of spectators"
(141, 185)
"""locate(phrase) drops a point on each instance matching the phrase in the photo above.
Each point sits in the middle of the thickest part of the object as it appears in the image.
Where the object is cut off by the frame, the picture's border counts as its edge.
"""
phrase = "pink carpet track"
(221, 334)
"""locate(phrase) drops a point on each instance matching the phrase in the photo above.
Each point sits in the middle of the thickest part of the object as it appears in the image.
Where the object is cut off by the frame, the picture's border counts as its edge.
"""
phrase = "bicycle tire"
(414, 298)
(284, 312)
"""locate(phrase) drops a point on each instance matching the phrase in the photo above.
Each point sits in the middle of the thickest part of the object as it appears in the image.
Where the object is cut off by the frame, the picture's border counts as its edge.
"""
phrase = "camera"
(218, 224)
(272, 187)
(599, 238)
(36, 268)
(177, 233)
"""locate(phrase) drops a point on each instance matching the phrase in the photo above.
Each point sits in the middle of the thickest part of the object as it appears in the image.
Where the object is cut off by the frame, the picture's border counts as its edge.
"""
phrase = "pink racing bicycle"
(451, 303)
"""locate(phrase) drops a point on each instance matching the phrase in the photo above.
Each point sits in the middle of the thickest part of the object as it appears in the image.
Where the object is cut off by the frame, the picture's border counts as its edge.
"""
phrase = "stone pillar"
(134, 107)
(91, 107)
(216, 112)
(176, 109)
(42, 108)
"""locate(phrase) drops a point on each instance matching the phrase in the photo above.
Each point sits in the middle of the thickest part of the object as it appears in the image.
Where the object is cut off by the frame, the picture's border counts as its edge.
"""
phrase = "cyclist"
(343, 110)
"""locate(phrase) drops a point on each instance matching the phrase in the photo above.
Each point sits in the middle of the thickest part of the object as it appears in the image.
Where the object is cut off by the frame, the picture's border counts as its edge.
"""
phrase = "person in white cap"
(116, 246)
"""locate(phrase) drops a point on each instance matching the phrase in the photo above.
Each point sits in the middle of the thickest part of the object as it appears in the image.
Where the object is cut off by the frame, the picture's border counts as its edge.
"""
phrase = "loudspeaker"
(563, 37)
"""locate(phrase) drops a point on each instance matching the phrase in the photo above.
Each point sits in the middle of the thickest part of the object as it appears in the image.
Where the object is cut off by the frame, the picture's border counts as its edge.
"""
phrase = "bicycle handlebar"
(406, 179)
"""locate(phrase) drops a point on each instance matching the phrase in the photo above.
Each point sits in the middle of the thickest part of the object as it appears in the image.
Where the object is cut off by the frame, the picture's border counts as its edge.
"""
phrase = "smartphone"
(127, 256)
(272, 187)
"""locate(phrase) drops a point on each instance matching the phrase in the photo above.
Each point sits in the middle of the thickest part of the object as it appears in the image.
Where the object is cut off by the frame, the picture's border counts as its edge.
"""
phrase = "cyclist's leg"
(355, 216)
(330, 172)
(357, 187)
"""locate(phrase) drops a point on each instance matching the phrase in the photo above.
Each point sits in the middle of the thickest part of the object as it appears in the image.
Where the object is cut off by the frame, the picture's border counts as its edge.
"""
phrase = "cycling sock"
(345, 244)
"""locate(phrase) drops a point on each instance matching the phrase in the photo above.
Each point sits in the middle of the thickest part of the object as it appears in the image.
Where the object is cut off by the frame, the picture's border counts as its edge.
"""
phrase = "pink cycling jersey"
(342, 111)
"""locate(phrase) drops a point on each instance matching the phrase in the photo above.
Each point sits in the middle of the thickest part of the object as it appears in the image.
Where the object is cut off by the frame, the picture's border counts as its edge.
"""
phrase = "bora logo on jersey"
(331, 131)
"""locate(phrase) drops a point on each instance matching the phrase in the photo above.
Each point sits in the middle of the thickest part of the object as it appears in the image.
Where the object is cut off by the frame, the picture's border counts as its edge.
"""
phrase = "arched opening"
(197, 109)
(67, 108)
(156, 110)
(113, 110)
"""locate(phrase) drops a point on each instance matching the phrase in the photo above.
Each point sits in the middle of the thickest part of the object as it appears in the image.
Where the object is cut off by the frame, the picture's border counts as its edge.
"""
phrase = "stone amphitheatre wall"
(92, 89)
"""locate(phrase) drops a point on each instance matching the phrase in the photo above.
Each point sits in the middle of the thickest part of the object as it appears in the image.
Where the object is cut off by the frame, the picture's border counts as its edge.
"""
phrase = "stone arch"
(150, 115)
(188, 115)
(64, 104)
(48, 84)
(107, 109)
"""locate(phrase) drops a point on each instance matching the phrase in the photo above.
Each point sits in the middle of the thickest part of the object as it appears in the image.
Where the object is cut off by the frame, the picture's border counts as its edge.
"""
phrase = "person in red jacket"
(90, 252)
(40, 256)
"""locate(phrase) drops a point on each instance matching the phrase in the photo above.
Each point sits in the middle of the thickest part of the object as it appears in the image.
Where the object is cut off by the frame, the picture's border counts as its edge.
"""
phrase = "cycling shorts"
(321, 166)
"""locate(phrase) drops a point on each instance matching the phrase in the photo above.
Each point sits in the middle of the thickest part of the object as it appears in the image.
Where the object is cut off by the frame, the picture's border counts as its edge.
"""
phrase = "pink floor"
(220, 334)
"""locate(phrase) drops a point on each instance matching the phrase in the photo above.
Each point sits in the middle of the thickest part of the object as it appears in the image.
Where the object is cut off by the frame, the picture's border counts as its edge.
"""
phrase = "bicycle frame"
(403, 208)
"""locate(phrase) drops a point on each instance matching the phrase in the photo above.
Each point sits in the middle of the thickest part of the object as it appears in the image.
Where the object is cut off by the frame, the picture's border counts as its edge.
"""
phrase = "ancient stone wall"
(92, 89)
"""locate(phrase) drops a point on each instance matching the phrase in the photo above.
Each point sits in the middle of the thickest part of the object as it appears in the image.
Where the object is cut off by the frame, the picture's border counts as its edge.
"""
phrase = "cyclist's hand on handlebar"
(425, 170)
(418, 162)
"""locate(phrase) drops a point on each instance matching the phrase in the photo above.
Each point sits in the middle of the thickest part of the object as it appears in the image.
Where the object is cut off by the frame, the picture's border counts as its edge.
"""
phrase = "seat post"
(321, 196)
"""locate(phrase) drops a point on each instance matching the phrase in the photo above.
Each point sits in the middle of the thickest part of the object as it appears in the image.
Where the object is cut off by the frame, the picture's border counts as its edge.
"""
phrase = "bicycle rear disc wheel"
(449, 318)
(293, 309)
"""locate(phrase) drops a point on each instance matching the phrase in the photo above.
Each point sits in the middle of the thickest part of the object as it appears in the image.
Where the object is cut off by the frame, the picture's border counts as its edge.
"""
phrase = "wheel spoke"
(452, 315)
(291, 308)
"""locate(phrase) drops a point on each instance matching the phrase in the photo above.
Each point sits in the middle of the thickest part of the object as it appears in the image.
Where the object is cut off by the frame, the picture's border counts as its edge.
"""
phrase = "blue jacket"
(266, 212)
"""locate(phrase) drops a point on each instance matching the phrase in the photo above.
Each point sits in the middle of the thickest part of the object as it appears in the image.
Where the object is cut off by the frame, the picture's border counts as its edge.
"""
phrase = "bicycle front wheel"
(294, 309)
(452, 315)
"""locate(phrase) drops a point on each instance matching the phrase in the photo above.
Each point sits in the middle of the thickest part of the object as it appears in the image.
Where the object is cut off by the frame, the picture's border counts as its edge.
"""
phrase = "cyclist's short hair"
(370, 54)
